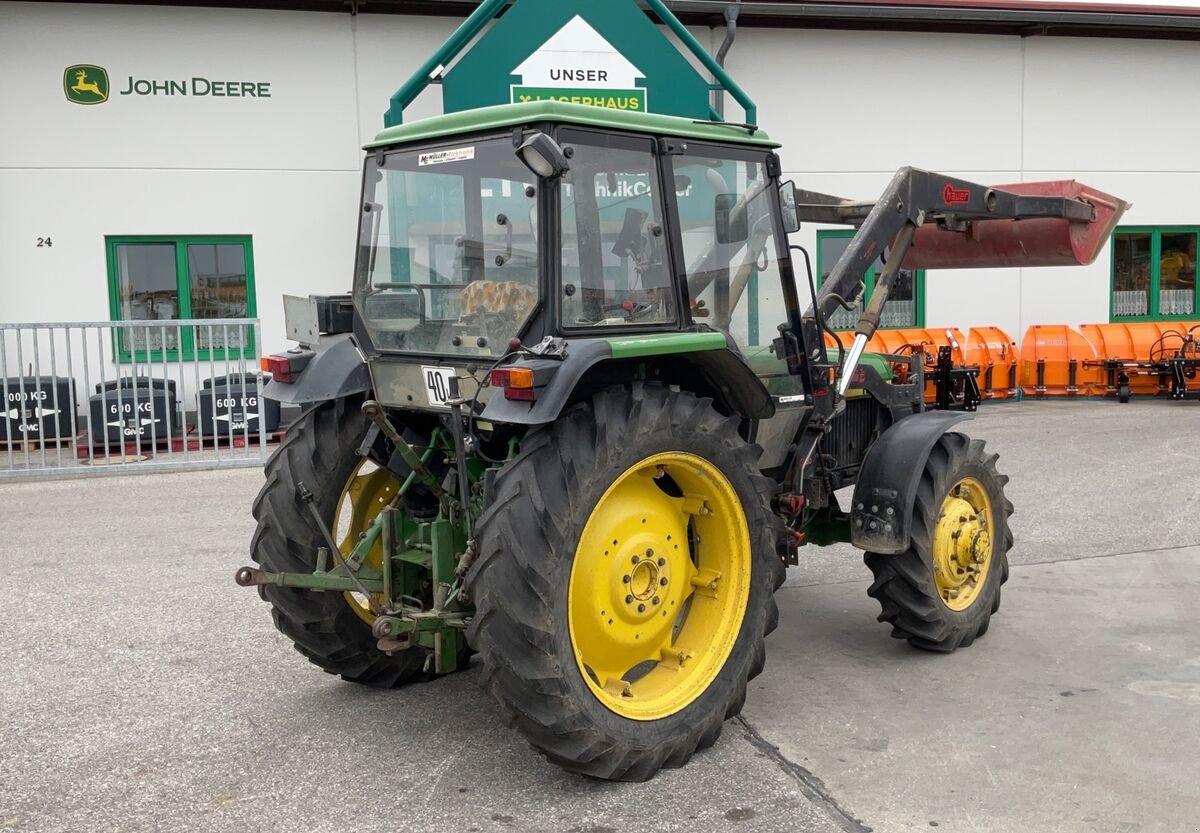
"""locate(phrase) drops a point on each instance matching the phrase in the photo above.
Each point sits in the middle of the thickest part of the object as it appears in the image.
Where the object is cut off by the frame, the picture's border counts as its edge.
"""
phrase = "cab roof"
(511, 115)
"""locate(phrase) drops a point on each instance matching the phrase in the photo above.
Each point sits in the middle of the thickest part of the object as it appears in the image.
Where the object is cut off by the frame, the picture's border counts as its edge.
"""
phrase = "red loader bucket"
(1035, 242)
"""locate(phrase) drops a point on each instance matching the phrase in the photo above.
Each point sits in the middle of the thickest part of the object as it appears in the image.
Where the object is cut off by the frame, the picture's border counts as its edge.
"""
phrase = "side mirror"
(733, 226)
(787, 203)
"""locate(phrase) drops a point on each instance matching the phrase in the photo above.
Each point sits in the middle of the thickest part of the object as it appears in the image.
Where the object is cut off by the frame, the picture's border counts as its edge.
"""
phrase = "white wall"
(850, 108)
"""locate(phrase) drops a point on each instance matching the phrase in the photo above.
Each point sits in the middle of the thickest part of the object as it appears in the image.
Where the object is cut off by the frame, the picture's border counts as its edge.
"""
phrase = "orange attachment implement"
(908, 341)
(1120, 348)
(1040, 241)
(1058, 361)
(998, 359)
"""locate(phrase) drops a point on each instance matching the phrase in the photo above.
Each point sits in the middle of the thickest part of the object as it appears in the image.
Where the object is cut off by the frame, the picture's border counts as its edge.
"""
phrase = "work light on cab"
(543, 156)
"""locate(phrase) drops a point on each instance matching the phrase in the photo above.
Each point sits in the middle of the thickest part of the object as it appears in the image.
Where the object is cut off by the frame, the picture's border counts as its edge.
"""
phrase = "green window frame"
(187, 349)
(869, 281)
(1118, 308)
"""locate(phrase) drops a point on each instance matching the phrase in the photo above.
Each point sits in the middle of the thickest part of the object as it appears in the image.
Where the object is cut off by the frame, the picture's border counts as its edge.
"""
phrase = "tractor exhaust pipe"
(731, 17)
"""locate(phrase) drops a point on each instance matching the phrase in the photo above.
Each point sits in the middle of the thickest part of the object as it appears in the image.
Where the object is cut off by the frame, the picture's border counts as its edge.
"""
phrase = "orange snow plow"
(1145, 358)
(998, 359)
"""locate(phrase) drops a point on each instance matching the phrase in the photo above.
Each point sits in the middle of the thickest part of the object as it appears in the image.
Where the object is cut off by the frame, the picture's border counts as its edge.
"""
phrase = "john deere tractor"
(579, 415)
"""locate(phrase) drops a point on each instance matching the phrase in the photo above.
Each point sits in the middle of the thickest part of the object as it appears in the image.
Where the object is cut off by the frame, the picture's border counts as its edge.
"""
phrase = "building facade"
(216, 152)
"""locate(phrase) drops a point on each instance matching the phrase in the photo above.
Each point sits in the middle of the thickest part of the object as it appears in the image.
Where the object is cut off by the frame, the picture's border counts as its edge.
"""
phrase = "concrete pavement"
(143, 691)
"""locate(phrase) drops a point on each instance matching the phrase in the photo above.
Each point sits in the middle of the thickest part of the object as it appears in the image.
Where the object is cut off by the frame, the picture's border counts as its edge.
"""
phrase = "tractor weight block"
(1036, 241)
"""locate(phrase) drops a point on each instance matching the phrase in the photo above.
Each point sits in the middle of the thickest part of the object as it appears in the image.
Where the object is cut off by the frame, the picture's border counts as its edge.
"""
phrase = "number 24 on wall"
(44, 243)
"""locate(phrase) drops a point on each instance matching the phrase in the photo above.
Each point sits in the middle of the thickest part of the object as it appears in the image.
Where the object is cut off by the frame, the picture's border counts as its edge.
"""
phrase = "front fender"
(337, 370)
(881, 515)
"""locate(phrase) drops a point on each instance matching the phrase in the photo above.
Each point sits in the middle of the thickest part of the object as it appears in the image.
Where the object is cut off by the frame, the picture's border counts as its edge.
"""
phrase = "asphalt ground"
(141, 690)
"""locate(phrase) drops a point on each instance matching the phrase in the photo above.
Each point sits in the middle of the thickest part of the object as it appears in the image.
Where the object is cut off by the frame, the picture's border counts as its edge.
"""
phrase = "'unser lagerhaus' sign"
(605, 54)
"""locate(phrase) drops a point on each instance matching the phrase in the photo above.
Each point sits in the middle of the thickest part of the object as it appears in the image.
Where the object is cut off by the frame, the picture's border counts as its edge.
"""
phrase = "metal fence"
(120, 397)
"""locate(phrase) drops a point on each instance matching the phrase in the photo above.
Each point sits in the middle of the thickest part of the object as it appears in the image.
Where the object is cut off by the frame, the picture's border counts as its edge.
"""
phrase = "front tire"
(611, 634)
(941, 592)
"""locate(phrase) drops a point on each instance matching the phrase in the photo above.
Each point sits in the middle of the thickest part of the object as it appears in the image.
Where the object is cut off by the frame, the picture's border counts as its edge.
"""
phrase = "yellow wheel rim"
(367, 492)
(962, 544)
(659, 585)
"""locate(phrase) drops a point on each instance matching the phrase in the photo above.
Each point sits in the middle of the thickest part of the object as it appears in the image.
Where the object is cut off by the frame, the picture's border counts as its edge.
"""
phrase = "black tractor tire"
(528, 535)
(904, 584)
(319, 451)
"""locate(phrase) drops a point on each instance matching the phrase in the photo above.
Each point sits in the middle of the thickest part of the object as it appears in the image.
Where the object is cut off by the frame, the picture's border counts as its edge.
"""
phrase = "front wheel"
(625, 581)
(941, 592)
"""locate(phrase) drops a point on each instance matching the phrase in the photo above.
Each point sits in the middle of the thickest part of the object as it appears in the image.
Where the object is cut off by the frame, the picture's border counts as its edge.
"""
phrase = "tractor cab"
(484, 231)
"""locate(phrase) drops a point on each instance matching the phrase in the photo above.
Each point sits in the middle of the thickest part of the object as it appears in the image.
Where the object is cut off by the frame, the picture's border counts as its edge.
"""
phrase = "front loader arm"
(916, 197)
(930, 220)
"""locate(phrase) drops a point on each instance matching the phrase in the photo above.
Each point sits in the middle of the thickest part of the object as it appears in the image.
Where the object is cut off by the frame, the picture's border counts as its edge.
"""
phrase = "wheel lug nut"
(663, 581)
(650, 553)
(662, 562)
(655, 600)
(629, 600)
(636, 559)
(626, 579)
(641, 608)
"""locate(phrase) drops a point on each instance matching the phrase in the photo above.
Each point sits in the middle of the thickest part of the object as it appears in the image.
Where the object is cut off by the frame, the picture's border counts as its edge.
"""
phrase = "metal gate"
(121, 397)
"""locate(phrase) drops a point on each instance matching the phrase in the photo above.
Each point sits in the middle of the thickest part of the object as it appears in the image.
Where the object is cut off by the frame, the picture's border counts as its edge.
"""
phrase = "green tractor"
(576, 419)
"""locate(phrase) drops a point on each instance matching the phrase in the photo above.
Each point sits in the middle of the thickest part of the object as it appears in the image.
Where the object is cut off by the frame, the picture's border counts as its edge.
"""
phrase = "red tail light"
(517, 383)
(286, 367)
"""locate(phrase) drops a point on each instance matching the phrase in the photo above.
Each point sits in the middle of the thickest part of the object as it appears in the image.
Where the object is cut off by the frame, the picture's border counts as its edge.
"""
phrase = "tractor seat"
(509, 298)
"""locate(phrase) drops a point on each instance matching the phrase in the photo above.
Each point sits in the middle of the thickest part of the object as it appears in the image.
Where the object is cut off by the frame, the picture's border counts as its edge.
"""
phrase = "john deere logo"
(85, 84)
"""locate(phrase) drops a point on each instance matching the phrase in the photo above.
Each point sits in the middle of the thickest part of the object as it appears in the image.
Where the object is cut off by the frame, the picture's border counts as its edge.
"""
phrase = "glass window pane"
(149, 291)
(900, 309)
(1177, 274)
(831, 248)
(217, 280)
(1131, 274)
(218, 288)
(614, 268)
(447, 249)
(726, 207)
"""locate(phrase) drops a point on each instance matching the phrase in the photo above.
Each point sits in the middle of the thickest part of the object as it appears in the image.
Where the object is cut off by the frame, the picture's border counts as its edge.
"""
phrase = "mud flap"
(881, 514)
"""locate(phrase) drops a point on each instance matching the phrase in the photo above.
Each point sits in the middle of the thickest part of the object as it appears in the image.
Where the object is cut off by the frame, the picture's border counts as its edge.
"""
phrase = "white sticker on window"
(437, 384)
(441, 157)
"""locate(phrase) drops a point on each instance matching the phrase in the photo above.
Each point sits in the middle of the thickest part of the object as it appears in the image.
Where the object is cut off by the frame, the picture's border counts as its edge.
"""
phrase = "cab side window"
(730, 248)
(614, 267)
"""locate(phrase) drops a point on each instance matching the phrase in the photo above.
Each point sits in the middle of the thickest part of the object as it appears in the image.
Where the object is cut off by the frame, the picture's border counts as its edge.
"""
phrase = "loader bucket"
(1058, 361)
(1032, 242)
(998, 359)
(1138, 342)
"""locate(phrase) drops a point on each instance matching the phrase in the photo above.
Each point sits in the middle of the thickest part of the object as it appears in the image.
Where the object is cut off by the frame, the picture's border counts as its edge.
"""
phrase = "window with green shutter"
(1153, 273)
(165, 278)
(905, 306)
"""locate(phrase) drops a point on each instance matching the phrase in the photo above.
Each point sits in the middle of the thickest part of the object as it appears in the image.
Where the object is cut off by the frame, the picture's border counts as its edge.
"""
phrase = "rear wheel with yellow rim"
(941, 592)
(332, 630)
(624, 585)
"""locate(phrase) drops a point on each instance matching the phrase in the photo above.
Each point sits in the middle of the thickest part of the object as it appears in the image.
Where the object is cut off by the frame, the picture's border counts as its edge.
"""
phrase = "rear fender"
(881, 515)
(720, 372)
(337, 370)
